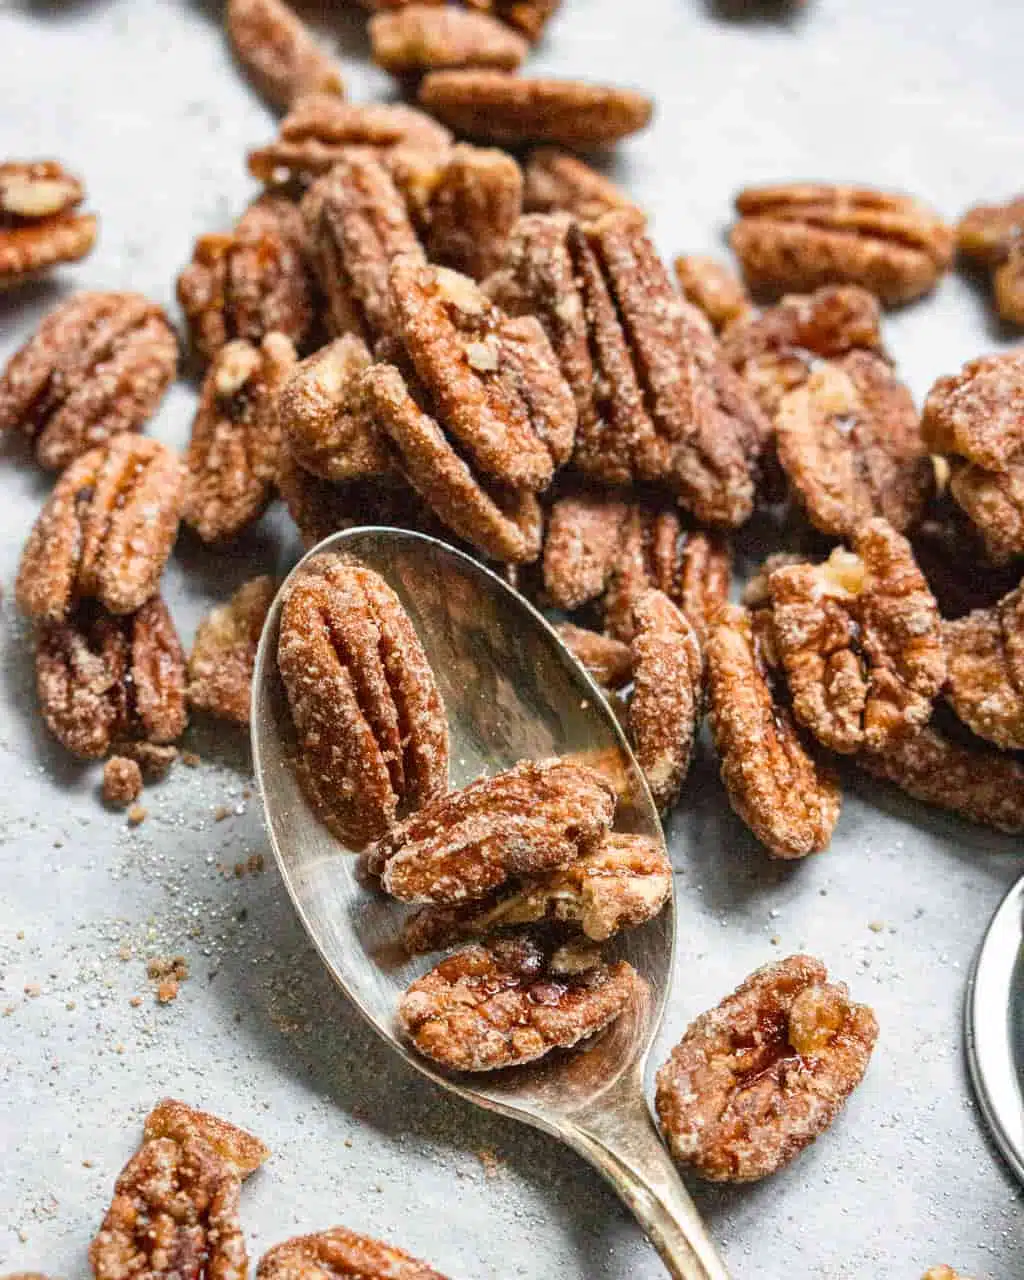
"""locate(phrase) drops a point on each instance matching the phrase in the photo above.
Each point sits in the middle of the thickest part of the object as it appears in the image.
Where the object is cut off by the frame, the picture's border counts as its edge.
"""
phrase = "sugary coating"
(340, 1254)
(278, 52)
(171, 1118)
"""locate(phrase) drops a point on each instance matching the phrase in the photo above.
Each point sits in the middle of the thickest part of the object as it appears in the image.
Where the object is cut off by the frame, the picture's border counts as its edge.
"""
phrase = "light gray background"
(140, 97)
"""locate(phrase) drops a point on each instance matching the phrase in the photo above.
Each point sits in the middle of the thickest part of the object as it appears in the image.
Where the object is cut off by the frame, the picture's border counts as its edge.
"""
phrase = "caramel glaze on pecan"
(714, 289)
(527, 16)
(985, 651)
(992, 237)
(978, 413)
(340, 1254)
(431, 37)
(171, 1118)
(40, 224)
(474, 205)
(608, 660)
(278, 52)
(223, 655)
(581, 544)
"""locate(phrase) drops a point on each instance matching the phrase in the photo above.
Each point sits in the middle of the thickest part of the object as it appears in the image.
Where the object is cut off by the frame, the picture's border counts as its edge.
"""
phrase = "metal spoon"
(511, 691)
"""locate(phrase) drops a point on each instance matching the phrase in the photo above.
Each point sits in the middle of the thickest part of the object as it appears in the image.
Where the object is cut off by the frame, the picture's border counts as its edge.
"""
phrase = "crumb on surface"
(122, 782)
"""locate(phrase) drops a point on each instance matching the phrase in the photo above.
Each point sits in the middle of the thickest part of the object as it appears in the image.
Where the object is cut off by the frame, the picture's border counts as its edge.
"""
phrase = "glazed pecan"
(860, 638)
(40, 225)
(174, 1214)
(620, 882)
(512, 110)
(850, 442)
(243, 1151)
(232, 459)
(608, 660)
(427, 37)
(558, 182)
(536, 816)
(800, 236)
(714, 289)
(978, 414)
(339, 1254)
(994, 503)
(992, 237)
(789, 801)
(278, 52)
(98, 365)
(250, 281)
(952, 555)
(527, 16)
(500, 1006)
(760, 1076)
(104, 681)
(582, 542)
(105, 532)
(223, 655)
(371, 725)
(122, 782)
(985, 651)
(473, 207)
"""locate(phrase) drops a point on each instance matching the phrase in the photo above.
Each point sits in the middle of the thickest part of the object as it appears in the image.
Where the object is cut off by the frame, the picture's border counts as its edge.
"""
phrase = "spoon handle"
(619, 1139)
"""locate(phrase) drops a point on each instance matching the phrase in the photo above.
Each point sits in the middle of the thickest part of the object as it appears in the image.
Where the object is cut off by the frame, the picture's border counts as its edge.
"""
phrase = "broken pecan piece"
(105, 532)
(850, 442)
(789, 801)
(951, 553)
(500, 1006)
(122, 782)
(609, 661)
(556, 181)
(581, 545)
(473, 207)
(799, 236)
(527, 16)
(223, 655)
(978, 413)
(756, 1079)
(512, 110)
(992, 237)
(232, 459)
(239, 1148)
(340, 1254)
(985, 651)
(40, 225)
(714, 289)
(98, 366)
(372, 732)
(860, 638)
(536, 816)
(429, 37)
(278, 52)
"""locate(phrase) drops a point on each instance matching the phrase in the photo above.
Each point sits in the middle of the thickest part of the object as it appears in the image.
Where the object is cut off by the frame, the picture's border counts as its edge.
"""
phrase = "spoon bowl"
(511, 691)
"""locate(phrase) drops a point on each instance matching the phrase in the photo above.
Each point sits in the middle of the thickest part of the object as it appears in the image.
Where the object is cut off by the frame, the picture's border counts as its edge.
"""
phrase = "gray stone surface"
(142, 99)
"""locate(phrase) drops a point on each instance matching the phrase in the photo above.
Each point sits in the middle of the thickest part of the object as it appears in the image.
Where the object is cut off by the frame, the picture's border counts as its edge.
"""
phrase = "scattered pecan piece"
(581, 545)
(668, 694)
(40, 225)
(278, 52)
(764, 1073)
(340, 1254)
(528, 16)
(799, 236)
(978, 413)
(860, 638)
(98, 366)
(942, 1272)
(371, 725)
(536, 816)
(239, 1148)
(608, 660)
(850, 442)
(474, 206)
(992, 237)
(174, 1213)
(105, 532)
(232, 459)
(558, 182)
(619, 883)
(223, 655)
(789, 801)
(500, 1006)
(994, 503)
(426, 37)
(714, 289)
(985, 650)
(122, 782)
(250, 281)
(512, 110)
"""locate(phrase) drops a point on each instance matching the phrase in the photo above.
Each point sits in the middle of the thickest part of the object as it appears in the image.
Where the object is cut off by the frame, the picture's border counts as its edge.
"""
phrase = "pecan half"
(800, 236)
(556, 181)
(789, 801)
(473, 207)
(232, 459)
(619, 883)
(985, 650)
(371, 725)
(668, 694)
(582, 542)
(238, 1148)
(756, 1079)
(951, 553)
(250, 281)
(105, 532)
(40, 225)
(223, 655)
(992, 237)
(512, 110)
(527, 16)
(500, 1006)
(536, 816)
(278, 52)
(978, 413)
(426, 37)
(850, 442)
(608, 660)
(340, 1254)
(994, 503)
(714, 289)
(98, 365)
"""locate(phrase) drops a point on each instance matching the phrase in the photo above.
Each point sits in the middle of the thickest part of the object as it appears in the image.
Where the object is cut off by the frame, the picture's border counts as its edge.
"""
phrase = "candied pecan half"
(992, 236)
(98, 365)
(951, 553)
(978, 413)
(527, 16)
(104, 680)
(223, 655)
(427, 37)
(512, 110)
(105, 532)
(985, 651)
(340, 1254)
(668, 694)
(250, 281)
(714, 289)
(536, 816)
(556, 181)
(581, 544)
(500, 1006)
(799, 236)
(372, 732)
(40, 225)
(789, 801)
(237, 1147)
(619, 883)
(609, 661)
(850, 442)
(232, 459)
(760, 1076)
(174, 1214)
(860, 638)
(474, 206)
(278, 52)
